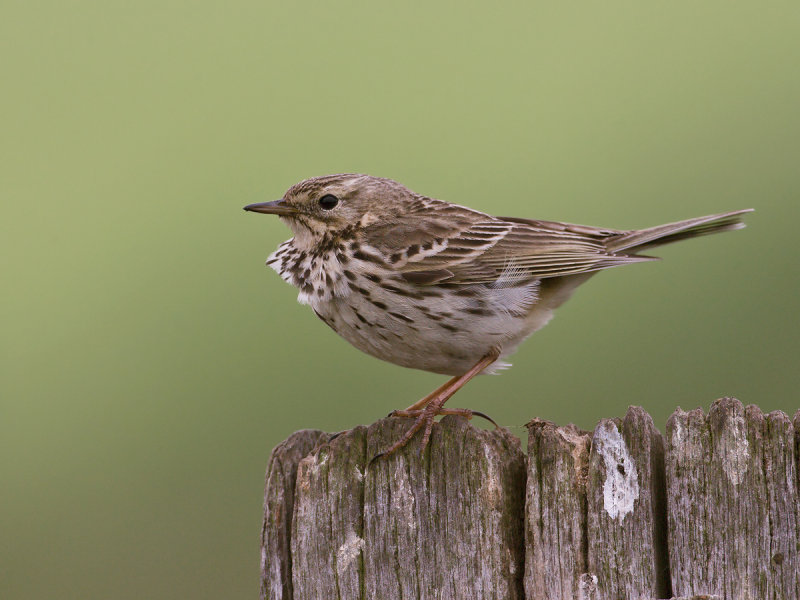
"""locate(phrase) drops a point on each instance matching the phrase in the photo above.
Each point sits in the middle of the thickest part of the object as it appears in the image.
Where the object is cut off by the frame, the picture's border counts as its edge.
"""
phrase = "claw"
(485, 416)
(374, 458)
(333, 436)
(426, 410)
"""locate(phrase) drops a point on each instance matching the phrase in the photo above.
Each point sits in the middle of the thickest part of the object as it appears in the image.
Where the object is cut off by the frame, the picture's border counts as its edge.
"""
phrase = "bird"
(431, 285)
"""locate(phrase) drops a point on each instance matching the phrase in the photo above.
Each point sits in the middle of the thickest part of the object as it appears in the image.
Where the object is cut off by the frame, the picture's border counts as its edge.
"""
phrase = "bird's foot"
(422, 418)
(426, 410)
(425, 417)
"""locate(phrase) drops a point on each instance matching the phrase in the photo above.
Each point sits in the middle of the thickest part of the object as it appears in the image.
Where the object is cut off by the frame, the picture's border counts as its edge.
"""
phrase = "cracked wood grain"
(447, 524)
(595, 524)
(276, 571)
(734, 526)
(327, 528)
(555, 512)
(609, 514)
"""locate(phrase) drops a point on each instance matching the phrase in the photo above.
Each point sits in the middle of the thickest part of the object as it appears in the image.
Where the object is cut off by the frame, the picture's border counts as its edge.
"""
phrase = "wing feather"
(456, 245)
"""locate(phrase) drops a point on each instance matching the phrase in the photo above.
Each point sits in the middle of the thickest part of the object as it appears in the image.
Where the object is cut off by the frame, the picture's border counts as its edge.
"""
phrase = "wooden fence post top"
(709, 510)
(732, 489)
(448, 522)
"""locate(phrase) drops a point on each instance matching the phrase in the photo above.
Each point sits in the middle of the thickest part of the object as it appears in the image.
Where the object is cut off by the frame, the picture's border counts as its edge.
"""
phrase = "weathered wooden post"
(444, 525)
(734, 517)
(617, 513)
(607, 488)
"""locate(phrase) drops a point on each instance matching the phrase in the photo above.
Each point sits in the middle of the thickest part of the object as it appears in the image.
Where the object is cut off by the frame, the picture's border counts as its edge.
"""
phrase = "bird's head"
(332, 204)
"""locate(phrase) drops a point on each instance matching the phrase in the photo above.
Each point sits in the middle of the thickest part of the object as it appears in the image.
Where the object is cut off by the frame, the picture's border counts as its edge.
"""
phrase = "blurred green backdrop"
(150, 360)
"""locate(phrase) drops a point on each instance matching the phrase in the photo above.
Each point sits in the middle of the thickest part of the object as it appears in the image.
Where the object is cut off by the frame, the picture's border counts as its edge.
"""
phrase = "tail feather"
(642, 239)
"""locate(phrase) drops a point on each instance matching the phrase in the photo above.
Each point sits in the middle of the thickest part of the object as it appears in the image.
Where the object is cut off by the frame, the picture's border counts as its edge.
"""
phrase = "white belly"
(433, 334)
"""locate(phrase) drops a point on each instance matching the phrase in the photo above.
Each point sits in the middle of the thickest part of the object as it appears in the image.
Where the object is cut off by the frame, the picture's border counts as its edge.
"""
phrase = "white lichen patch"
(734, 449)
(348, 551)
(621, 485)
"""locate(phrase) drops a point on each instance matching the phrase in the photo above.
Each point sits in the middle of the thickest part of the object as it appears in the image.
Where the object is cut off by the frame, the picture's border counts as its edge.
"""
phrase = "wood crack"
(713, 510)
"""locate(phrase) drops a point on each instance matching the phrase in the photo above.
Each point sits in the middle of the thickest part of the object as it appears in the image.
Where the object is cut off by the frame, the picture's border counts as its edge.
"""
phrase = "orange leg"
(421, 403)
(433, 403)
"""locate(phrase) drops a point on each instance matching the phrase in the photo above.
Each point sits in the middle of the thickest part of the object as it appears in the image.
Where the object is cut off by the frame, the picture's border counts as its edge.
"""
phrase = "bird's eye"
(328, 201)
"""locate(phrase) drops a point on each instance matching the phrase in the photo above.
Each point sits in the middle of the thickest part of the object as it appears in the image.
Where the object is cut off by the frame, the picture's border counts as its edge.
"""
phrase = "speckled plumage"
(435, 286)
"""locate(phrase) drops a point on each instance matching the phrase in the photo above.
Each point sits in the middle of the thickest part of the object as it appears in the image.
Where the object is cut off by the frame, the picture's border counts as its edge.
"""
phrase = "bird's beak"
(278, 207)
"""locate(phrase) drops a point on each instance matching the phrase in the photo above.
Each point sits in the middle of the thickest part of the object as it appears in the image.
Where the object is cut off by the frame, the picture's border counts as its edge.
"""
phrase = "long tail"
(642, 239)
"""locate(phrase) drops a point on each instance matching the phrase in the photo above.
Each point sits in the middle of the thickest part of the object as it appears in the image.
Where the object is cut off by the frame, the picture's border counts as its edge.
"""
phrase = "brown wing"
(452, 244)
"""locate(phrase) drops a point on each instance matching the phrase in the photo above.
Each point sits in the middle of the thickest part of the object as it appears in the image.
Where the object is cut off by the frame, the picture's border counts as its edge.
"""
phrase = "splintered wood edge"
(692, 440)
(285, 458)
(506, 469)
(279, 487)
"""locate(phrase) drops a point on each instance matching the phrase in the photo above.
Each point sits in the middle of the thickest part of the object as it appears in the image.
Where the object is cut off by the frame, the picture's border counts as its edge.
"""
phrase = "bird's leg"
(421, 403)
(433, 405)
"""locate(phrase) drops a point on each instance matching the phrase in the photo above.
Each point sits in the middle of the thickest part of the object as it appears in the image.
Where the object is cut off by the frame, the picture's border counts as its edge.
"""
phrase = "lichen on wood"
(711, 510)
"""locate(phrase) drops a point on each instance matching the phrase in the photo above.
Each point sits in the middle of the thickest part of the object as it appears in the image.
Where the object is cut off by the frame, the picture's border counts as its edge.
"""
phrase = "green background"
(150, 360)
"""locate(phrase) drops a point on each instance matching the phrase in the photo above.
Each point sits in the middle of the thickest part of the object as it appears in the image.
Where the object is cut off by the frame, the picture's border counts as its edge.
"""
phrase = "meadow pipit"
(430, 285)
